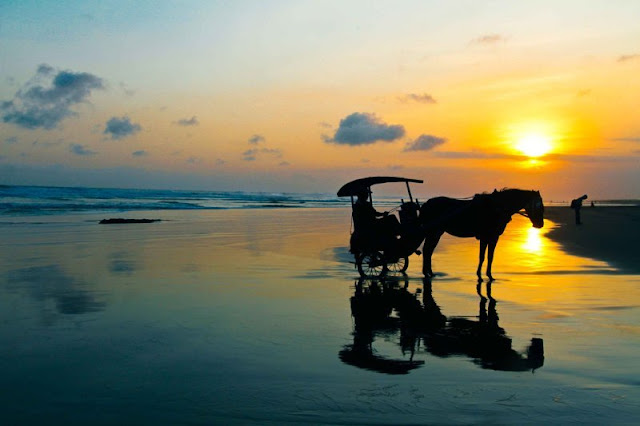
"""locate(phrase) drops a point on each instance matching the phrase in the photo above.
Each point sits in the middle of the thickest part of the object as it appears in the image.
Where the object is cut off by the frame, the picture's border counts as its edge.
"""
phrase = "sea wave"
(47, 208)
(42, 200)
(37, 200)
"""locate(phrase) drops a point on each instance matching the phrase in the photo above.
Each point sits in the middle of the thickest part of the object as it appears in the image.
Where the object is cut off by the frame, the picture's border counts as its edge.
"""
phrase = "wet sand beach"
(607, 233)
(258, 317)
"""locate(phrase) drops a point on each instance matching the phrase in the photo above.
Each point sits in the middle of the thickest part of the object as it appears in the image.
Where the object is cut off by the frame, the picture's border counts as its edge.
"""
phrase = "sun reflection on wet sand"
(524, 249)
(533, 243)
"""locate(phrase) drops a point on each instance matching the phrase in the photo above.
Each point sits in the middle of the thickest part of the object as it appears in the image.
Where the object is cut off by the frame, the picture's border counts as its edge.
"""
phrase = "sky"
(303, 96)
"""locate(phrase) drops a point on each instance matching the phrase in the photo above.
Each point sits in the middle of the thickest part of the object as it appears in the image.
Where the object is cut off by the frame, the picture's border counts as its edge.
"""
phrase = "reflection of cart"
(376, 252)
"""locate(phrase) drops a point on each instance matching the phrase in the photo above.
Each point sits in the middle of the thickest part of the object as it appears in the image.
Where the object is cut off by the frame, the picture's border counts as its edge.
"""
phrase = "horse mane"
(504, 191)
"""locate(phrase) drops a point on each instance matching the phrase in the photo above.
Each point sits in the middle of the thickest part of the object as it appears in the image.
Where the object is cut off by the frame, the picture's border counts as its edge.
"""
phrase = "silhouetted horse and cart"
(381, 243)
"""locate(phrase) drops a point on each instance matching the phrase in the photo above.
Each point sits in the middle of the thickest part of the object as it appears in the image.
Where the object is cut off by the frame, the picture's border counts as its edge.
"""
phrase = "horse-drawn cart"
(380, 242)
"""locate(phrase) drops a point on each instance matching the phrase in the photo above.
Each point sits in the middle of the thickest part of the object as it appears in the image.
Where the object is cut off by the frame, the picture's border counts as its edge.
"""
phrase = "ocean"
(43, 200)
(18, 201)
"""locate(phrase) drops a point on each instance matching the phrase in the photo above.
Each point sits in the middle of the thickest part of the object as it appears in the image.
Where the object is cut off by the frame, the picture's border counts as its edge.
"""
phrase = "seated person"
(370, 223)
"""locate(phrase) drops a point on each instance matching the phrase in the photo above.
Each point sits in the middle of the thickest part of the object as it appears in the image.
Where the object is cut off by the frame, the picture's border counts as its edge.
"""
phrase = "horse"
(485, 217)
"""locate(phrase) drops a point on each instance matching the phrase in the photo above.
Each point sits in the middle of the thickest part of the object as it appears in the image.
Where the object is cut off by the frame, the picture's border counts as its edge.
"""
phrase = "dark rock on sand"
(121, 220)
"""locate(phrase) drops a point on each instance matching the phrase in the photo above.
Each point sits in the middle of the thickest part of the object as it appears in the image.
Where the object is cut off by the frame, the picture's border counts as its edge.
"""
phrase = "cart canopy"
(356, 186)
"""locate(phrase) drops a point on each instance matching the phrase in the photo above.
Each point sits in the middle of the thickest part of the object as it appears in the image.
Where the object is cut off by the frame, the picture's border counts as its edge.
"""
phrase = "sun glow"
(533, 241)
(534, 145)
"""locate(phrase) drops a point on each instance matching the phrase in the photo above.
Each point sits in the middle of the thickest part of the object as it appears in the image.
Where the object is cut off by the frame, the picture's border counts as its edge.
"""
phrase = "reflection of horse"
(484, 217)
(387, 309)
(485, 341)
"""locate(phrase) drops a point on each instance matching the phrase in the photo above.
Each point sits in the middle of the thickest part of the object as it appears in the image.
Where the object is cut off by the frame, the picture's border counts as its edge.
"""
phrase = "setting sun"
(533, 145)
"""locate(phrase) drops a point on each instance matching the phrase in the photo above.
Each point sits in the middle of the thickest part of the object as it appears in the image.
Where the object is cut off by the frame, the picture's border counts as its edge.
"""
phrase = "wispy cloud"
(423, 98)
(121, 127)
(489, 39)
(250, 154)
(193, 121)
(272, 151)
(590, 158)
(364, 129)
(48, 98)
(141, 153)
(627, 139)
(626, 58)
(46, 144)
(254, 152)
(482, 155)
(81, 150)
(424, 143)
(256, 139)
(126, 90)
(476, 155)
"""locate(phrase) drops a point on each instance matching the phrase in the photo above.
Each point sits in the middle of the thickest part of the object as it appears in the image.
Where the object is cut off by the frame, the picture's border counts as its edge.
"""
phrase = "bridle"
(533, 205)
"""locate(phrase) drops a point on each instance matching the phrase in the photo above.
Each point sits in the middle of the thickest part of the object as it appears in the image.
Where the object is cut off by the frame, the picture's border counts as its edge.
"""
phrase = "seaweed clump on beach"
(122, 220)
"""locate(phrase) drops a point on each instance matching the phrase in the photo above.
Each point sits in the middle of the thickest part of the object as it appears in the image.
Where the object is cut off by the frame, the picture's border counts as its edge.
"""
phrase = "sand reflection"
(526, 250)
(533, 243)
(45, 284)
(387, 310)
(151, 316)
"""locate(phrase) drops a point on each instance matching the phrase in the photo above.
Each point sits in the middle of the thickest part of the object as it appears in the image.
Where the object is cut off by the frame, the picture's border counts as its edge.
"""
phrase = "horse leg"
(430, 242)
(483, 249)
(492, 248)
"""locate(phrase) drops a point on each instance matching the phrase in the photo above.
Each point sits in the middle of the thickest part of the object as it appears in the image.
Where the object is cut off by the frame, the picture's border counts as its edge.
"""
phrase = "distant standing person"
(576, 205)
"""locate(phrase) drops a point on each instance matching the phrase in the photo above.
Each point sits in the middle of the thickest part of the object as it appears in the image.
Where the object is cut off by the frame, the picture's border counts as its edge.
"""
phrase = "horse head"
(534, 209)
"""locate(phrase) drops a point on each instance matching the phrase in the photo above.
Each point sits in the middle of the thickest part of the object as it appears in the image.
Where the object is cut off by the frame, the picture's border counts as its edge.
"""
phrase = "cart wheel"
(400, 266)
(370, 265)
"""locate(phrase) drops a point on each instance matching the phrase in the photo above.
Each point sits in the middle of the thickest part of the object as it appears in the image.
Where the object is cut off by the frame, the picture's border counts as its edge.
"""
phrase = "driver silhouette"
(371, 222)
